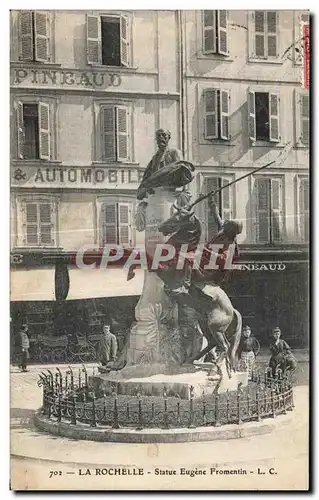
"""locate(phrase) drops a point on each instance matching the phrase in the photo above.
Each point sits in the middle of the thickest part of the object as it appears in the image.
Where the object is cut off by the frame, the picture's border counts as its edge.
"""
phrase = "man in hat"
(107, 347)
(24, 347)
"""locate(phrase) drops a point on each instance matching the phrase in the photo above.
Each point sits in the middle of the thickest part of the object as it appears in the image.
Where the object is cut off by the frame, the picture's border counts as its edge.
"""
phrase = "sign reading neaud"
(79, 177)
(63, 78)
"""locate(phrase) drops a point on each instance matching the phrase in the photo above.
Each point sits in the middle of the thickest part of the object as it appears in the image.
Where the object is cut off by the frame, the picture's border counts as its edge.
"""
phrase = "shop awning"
(32, 284)
(99, 283)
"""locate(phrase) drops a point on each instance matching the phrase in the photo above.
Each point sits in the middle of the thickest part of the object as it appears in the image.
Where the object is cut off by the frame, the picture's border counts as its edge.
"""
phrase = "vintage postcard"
(159, 298)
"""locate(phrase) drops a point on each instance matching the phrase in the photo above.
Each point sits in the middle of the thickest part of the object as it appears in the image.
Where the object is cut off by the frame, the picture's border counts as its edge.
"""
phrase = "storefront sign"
(31, 77)
(96, 177)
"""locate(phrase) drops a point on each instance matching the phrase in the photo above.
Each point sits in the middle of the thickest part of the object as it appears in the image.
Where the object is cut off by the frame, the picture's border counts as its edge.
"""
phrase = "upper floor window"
(108, 40)
(224, 200)
(264, 34)
(302, 118)
(263, 109)
(269, 220)
(115, 132)
(117, 223)
(215, 38)
(38, 224)
(216, 111)
(34, 36)
(303, 208)
(33, 130)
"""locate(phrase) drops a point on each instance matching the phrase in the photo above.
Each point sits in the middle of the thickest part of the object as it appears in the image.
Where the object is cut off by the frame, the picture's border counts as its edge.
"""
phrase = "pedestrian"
(107, 347)
(24, 347)
(248, 350)
(281, 355)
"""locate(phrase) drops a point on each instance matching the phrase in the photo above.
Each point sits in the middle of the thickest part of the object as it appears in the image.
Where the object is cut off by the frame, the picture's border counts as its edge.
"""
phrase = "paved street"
(35, 454)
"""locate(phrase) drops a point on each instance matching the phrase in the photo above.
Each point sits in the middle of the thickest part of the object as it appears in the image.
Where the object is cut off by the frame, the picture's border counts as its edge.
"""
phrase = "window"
(39, 216)
(303, 208)
(302, 118)
(33, 130)
(215, 40)
(265, 36)
(269, 209)
(34, 36)
(117, 223)
(224, 203)
(108, 40)
(216, 104)
(115, 129)
(263, 109)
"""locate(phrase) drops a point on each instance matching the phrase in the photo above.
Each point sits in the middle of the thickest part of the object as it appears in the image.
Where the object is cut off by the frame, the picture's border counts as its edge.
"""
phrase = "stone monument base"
(173, 380)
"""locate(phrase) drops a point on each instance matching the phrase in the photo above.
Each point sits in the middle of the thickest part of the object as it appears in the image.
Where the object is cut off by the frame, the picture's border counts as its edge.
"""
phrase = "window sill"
(269, 144)
(299, 145)
(30, 64)
(114, 164)
(216, 142)
(27, 162)
(114, 68)
(265, 60)
(35, 249)
(216, 57)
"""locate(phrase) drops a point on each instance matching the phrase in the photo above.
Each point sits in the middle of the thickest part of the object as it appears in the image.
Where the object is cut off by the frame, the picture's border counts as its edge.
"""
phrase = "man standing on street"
(107, 348)
(24, 346)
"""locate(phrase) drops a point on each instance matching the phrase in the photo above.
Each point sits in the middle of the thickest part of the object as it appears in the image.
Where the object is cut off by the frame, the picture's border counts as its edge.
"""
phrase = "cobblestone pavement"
(34, 454)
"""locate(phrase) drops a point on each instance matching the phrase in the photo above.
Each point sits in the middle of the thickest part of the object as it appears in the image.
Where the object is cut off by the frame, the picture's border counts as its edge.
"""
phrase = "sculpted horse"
(219, 321)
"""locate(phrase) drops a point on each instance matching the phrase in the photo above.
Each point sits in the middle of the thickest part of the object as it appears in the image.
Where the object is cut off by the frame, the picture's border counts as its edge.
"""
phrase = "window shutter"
(45, 224)
(20, 130)
(304, 209)
(263, 209)
(122, 133)
(298, 45)
(124, 41)
(226, 200)
(44, 131)
(272, 23)
(259, 33)
(109, 223)
(26, 35)
(212, 184)
(94, 42)
(224, 114)
(211, 117)
(276, 210)
(41, 32)
(124, 214)
(31, 224)
(304, 118)
(222, 32)
(209, 31)
(252, 115)
(108, 127)
(274, 117)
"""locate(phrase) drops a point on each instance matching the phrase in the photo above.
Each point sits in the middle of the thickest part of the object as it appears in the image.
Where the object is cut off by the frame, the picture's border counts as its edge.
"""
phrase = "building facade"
(88, 91)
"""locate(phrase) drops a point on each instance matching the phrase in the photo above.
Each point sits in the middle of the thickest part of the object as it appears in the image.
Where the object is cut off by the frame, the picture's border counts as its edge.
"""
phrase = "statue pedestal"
(154, 338)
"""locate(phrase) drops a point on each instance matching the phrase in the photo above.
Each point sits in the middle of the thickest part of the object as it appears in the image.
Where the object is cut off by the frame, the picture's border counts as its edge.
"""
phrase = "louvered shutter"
(124, 215)
(32, 224)
(260, 33)
(124, 38)
(41, 33)
(276, 210)
(304, 209)
(26, 35)
(110, 228)
(45, 224)
(224, 114)
(304, 118)
(20, 130)
(263, 210)
(274, 117)
(44, 131)
(272, 23)
(93, 38)
(209, 31)
(226, 200)
(122, 126)
(211, 116)
(108, 129)
(212, 184)
(222, 32)
(251, 115)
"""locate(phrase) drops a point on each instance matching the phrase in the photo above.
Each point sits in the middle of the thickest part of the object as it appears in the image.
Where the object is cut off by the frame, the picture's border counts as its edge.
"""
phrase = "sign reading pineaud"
(63, 78)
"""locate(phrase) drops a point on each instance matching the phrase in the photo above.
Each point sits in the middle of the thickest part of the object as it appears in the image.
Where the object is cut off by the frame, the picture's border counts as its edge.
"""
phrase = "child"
(281, 355)
(249, 348)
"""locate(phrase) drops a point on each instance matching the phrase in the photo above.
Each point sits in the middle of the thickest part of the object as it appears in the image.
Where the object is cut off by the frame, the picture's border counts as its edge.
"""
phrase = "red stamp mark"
(306, 51)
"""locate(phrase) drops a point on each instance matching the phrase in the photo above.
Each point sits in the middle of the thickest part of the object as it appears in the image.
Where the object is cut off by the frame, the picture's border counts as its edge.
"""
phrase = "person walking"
(24, 347)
